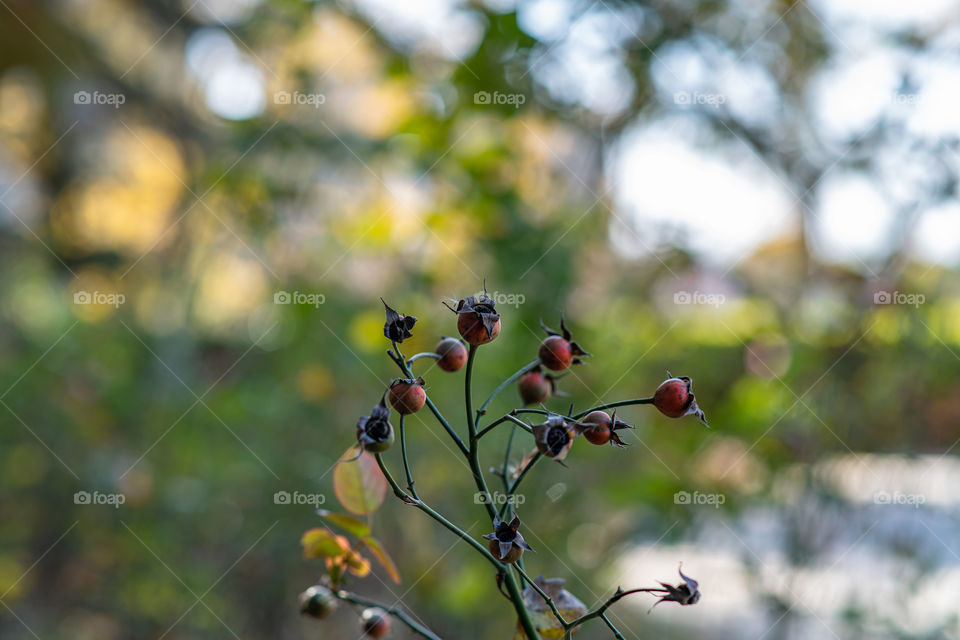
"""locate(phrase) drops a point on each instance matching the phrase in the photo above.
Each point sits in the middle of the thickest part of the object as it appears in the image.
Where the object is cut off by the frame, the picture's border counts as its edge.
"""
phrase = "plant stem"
(483, 408)
(424, 354)
(474, 452)
(406, 463)
(420, 504)
(507, 418)
(515, 593)
(616, 632)
(516, 483)
(547, 599)
(612, 405)
(398, 359)
(396, 612)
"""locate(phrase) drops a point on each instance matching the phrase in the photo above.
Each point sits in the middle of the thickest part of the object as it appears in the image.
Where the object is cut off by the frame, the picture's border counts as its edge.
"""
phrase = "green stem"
(420, 504)
(515, 595)
(511, 490)
(503, 385)
(425, 354)
(612, 405)
(398, 359)
(406, 463)
(548, 599)
(474, 451)
(396, 612)
(507, 418)
(616, 632)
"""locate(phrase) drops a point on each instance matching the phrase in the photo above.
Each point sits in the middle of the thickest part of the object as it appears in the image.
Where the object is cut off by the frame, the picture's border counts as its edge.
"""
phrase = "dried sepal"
(374, 432)
(684, 594)
(397, 326)
(555, 436)
(506, 542)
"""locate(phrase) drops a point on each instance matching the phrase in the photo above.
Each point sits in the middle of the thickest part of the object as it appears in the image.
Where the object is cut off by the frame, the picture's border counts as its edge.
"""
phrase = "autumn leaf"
(322, 543)
(346, 522)
(358, 483)
(383, 557)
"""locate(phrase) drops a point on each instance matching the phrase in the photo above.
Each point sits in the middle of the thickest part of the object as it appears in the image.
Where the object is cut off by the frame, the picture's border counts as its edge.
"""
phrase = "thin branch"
(612, 405)
(406, 462)
(507, 418)
(474, 452)
(516, 483)
(395, 611)
(543, 594)
(425, 354)
(503, 385)
(616, 632)
(399, 361)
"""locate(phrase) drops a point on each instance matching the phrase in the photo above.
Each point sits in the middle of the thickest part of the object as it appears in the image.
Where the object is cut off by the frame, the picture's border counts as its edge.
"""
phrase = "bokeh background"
(759, 194)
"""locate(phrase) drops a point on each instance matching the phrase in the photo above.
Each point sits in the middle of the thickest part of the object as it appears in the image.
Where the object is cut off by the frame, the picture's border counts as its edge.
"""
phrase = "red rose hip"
(535, 387)
(674, 398)
(453, 355)
(375, 623)
(407, 396)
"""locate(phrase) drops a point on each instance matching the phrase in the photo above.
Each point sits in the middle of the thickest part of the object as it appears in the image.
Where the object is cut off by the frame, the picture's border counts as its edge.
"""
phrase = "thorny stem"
(398, 359)
(503, 385)
(406, 463)
(395, 611)
(515, 595)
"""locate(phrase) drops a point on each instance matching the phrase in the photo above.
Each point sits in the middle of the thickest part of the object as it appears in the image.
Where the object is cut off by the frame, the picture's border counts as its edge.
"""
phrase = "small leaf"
(346, 522)
(381, 554)
(357, 564)
(358, 483)
(322, 543)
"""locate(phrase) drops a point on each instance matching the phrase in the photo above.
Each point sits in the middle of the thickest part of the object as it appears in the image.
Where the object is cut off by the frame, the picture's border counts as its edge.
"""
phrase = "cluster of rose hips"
(478, 323)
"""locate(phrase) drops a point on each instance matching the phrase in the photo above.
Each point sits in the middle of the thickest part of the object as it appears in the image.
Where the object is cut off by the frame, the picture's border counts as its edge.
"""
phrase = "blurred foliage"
(198, 398)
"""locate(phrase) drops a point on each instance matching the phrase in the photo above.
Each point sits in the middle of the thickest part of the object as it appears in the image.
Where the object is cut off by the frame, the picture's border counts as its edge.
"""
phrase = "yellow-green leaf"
(346, 522)
(358, 483)
(383, 557)
(322, 543)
